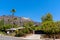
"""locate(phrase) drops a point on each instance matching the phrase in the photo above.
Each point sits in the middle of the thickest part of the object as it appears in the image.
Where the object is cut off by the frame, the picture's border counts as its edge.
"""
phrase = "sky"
(33, 9)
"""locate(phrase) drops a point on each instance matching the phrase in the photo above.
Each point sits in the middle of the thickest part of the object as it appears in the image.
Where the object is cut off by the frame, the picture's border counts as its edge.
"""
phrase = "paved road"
(31, 37)
(8, 38)
(13, 38)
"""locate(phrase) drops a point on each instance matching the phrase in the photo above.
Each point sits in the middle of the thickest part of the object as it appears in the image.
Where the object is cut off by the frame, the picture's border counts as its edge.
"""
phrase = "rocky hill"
(16, 20)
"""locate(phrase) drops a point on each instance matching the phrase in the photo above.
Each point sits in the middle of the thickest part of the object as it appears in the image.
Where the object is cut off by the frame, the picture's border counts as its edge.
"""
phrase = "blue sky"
(33, 9)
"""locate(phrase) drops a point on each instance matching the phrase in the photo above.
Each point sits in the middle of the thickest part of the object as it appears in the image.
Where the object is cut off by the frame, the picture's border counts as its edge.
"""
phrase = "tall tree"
(47, 17)
(48, 26)
(13, 11)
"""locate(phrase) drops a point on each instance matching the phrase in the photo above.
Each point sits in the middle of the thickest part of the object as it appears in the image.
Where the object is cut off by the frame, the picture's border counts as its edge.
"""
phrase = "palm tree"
(13, 11)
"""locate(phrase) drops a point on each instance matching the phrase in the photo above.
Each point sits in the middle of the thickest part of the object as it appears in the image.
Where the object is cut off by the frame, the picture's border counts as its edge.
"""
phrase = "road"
(8, 38)
(31, 37)
(2, 37)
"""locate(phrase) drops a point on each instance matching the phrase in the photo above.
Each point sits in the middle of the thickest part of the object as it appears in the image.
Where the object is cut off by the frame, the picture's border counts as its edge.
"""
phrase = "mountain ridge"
(17, 20)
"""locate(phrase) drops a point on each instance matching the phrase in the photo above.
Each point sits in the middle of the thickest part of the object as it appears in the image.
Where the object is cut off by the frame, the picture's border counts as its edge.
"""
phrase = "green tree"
(47, 17)
(29, 26)
(4, 26)
(1, 24)
(20, 33)
(50, 27)
(58, 23)
(7, 26)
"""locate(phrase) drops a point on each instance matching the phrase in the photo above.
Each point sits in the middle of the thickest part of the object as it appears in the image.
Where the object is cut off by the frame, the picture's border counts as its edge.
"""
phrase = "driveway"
(32, 36)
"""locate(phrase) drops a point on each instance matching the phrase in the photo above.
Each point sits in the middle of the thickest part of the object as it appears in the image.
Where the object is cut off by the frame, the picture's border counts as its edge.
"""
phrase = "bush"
(19, 33)
(26, 31)
(22, 32)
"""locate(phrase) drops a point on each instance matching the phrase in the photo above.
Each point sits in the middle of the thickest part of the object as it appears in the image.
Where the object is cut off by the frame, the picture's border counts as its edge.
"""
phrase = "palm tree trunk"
(12, 20)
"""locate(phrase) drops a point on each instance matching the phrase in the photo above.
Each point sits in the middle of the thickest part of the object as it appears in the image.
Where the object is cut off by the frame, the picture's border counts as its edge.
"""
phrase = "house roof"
(16, 28)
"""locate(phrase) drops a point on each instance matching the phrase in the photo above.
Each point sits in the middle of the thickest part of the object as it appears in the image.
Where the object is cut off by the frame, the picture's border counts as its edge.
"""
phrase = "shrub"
(26, 31)
(19, 33)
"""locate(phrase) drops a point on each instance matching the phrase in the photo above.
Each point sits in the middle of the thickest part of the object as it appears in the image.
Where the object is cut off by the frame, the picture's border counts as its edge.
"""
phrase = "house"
(13, 29)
